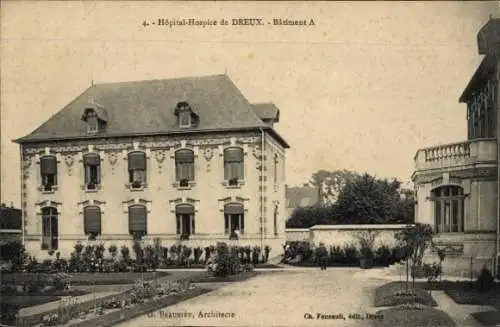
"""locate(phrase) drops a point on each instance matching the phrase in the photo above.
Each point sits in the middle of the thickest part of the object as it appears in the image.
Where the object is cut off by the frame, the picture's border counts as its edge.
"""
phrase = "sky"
(363, 89)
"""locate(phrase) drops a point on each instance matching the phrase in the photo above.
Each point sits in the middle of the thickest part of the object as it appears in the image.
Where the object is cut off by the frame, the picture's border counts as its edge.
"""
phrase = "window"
(185, 119)
(184, 167)
(92, 221)
(233, 165)
(234, 219)
(448, 209)
(137, 169)
(137, 221)
(185, 221)
(48, 168)
(92, 122)
(49, 229)
(92, 166)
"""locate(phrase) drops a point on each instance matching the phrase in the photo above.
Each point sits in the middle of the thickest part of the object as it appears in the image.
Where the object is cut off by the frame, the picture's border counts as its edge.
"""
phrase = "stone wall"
(342, 235)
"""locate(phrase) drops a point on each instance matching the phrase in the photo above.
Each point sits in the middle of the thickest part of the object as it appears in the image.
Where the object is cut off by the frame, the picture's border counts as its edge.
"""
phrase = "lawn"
(394, 293)
(111, 278)
(413, 317)
(487, 318)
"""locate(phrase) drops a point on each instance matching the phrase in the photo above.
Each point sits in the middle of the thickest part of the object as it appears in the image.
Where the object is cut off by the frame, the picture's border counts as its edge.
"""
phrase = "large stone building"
(457, 184)
(183, 160)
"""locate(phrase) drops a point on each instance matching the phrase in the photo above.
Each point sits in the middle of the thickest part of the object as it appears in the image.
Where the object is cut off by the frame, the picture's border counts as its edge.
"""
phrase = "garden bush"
(485, 281)
(226, 261)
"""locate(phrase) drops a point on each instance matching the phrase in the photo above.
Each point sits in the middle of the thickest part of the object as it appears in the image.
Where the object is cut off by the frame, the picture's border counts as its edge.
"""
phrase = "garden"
(411, 301)
(131, 281)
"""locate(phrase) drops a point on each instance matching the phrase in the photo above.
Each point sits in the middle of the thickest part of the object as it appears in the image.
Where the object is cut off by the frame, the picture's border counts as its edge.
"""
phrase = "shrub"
(113, 250)
(336, 254)
(125, 253)
(267, 250)
(207, 253)
(186, 255)
(15, 253)
(226, 262)
(350, 253)
(197, 252)
(255, 254)
(366, 253)
(485, 281)
(383, 255)
(149, 257)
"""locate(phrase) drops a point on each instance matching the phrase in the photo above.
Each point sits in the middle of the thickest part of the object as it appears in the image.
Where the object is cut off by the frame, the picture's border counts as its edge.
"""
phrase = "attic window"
(184, 119)
(185, 115)
(92, 122)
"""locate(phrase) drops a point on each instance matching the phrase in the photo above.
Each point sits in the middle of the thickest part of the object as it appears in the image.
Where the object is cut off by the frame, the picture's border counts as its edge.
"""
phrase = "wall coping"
(11, 231)
(359, 227)
(296, 230)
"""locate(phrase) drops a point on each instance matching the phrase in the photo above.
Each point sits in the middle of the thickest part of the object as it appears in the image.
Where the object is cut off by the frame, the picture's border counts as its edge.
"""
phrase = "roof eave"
(27, 140)
(484, 68)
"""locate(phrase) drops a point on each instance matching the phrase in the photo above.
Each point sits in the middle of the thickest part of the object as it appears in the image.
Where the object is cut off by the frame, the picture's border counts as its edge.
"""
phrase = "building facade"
(457, 184)
(185, 160)
(300, 197)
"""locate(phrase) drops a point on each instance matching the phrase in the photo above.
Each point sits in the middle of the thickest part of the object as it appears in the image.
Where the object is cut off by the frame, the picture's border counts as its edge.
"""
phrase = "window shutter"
(233, 208)
(137, 161)
(184, 156)
(184, 209)
(233, 155)
(92, 220)
(137, 219)
(48, 165)
(91, 160)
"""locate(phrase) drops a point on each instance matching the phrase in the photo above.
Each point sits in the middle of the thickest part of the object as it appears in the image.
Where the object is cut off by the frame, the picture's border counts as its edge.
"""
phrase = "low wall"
(297, 234)
(342, 235)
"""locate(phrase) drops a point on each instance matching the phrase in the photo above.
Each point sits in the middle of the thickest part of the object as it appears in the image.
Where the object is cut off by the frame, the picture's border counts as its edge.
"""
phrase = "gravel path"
(277, 299)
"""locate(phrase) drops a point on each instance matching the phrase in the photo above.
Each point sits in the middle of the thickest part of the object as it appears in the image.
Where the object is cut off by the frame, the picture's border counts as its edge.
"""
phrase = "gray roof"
(266, 111)
(147, 108)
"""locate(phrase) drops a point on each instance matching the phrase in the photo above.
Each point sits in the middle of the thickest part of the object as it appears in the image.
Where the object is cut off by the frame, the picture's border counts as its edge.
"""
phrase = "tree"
(368, 200)
(305, 217)
(416, 239)
(331, 183)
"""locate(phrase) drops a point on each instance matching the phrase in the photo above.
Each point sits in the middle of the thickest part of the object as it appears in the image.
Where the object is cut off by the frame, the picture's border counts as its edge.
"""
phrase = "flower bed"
(413, 316)
(394, 293)
(111, 317)
(142, 292)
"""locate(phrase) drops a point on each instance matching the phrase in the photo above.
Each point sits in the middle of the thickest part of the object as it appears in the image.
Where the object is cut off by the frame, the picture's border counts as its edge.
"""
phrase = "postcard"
(191, 163)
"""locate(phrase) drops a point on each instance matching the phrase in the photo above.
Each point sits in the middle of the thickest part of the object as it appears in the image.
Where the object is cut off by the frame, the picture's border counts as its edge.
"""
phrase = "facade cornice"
(422, 177)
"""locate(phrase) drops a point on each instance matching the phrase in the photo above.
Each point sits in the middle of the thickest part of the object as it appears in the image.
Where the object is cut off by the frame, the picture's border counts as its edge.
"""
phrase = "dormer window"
(93, 123)
(185, 119)
(96, 117)
(186, 116)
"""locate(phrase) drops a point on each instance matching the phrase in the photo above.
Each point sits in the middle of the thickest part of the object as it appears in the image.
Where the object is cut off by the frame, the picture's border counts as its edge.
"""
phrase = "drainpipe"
(22, 191)
(262, 183)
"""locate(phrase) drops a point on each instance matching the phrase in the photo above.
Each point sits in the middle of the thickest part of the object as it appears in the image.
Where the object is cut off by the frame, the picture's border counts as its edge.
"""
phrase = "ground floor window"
(138, 221)
(448, 209)
(234, 219)
(92, 221)
(50, 233)
(185, 220)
